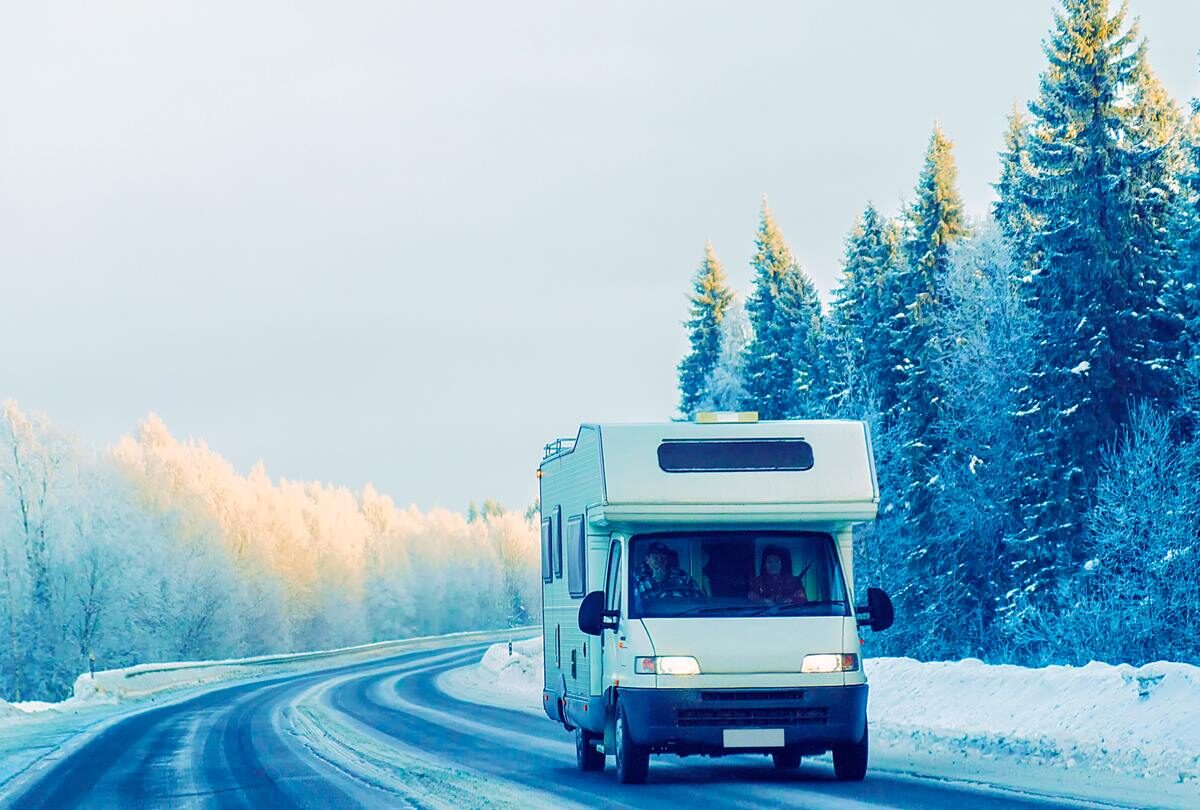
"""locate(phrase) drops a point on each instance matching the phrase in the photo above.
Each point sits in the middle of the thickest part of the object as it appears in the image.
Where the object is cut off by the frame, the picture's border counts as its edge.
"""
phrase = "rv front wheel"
(850, 761)
(633, 761)
(586, 755)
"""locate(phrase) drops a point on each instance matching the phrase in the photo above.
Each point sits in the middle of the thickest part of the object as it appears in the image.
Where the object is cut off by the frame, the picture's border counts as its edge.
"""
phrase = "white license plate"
(754, 738)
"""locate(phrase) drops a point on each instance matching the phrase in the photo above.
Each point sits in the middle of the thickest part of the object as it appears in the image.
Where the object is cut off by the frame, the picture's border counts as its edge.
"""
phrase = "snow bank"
(512, 681)
(519, 672)
(1131, 719)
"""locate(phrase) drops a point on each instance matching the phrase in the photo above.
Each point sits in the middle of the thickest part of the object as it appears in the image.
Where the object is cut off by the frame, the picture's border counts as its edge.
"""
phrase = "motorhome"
(698, 590)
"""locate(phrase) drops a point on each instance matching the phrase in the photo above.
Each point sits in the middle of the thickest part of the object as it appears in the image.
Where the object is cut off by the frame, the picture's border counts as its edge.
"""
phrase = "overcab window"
(735, 455)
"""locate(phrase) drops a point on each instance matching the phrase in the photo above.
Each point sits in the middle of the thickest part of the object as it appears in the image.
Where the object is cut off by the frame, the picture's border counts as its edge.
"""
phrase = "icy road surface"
(383, 734)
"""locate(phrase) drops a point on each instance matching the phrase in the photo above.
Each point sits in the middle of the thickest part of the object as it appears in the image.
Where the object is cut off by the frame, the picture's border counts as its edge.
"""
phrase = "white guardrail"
(378, 649)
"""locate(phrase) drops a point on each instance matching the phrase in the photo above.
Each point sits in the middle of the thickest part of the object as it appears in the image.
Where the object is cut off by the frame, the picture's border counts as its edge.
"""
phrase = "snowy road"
(383, 734)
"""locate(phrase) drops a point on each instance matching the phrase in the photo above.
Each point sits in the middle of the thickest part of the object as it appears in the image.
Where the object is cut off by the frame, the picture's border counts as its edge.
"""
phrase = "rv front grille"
(760, 695)
(746, 717)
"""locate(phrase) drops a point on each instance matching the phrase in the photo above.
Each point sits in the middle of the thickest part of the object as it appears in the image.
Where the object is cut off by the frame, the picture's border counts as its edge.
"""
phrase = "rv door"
(612, 602)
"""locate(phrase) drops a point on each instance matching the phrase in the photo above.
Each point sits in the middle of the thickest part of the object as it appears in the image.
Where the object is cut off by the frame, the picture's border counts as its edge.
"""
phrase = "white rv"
(698, 590)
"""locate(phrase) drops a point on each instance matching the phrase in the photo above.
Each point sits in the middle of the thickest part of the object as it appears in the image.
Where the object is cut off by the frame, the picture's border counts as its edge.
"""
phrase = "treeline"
(158, 550)
(1032, 378)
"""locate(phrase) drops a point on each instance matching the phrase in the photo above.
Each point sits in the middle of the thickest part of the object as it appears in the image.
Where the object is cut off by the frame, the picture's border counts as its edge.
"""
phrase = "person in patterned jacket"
(660, 576)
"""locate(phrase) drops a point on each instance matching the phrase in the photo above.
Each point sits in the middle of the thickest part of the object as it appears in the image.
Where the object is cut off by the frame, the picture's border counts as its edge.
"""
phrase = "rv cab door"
(613, 592)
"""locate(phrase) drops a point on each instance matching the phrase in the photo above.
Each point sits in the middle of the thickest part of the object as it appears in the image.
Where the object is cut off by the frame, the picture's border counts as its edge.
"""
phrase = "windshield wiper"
(703, 609)
(803, 603)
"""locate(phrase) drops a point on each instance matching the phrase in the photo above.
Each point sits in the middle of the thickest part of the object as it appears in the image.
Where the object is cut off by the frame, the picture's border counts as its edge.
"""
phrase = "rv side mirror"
(592, 614)
(879, 611)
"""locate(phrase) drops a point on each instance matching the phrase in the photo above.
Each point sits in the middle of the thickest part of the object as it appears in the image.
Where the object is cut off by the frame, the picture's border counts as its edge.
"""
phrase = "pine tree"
(1156, 134)
(1092, 288)
(710, 300)
(935, 221)
(781, 369)
(1011, 211)
(859, 344)
(1186, 239)
(1185, 287)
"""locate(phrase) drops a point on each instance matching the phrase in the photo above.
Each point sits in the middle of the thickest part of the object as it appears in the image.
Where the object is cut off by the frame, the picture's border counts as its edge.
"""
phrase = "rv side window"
(556, 530)
(612, 581)
(735, 455)
(576, 556)
(546, 550)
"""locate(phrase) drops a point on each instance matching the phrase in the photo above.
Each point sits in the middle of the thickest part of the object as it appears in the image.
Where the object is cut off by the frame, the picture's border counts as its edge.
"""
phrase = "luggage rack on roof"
(558, 446)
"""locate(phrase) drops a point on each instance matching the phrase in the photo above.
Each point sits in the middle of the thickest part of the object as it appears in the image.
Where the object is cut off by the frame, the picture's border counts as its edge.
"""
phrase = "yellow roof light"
(725, 417)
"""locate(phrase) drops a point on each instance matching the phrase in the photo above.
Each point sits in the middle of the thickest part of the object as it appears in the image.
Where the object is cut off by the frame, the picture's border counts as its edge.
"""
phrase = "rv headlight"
(829, 662)
(666, 665)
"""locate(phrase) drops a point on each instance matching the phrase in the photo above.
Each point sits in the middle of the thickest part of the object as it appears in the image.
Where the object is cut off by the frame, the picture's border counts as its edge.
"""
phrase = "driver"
(660, 576)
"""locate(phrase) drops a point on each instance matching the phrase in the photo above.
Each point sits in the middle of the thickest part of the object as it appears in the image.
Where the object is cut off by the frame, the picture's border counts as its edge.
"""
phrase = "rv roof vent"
(721, 417)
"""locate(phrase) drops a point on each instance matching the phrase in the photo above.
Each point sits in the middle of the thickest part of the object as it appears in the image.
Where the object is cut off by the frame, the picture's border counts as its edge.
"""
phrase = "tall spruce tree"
(1011, 211)
(1185, 288)
(1157, 137)
(1185, 235)
(710, 299)
(935, 220)
(782, 371)
(859, 336)
(1092, 286)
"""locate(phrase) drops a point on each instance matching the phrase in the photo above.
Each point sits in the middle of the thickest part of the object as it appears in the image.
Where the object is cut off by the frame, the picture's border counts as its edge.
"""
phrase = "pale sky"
(410, 243)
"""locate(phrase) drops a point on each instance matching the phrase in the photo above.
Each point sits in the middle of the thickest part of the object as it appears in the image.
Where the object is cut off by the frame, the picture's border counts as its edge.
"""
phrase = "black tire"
(586, 755)
(850, 761)
(633, 761)
(787, 759)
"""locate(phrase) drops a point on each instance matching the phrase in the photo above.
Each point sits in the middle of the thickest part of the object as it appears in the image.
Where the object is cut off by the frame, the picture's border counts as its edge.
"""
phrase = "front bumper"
(689, 721)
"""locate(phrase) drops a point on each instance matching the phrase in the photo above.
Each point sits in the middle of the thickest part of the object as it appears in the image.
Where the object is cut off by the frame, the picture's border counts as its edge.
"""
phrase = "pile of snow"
(1138, 720)
(1130, 720)
(510, 679)
(519, 671)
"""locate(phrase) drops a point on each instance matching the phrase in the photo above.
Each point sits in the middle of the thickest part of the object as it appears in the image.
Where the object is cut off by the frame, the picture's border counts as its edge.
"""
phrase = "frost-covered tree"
(160, 550)
(935, 221)
(1094, 286)
(710, 300)
(782, 366)
(988, 328)
(1137, 598)
(725, 389)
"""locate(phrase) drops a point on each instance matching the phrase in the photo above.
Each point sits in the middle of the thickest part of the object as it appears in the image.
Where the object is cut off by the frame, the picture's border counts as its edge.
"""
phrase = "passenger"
(660, 576)
(773, 586)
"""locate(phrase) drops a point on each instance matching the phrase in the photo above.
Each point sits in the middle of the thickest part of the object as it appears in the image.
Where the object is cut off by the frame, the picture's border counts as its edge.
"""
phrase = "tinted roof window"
(735, 455)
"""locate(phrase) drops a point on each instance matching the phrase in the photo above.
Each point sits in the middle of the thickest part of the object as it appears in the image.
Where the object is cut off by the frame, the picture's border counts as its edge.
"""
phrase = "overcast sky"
(410, 243)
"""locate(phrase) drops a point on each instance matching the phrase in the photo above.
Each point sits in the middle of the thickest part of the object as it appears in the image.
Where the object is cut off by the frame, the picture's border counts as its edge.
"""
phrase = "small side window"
(547, 551)
(556, 530)
(612, 579)
(576, 556)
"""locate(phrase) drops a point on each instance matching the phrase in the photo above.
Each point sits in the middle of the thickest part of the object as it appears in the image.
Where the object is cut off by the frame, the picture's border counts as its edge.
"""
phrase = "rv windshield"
(735, 573)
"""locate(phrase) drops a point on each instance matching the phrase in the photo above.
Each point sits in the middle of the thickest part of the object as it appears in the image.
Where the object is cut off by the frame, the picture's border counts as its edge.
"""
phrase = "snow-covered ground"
(1114, 733)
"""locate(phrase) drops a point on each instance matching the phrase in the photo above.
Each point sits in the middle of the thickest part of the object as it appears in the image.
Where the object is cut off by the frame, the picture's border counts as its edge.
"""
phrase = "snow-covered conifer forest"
(158, 550)
(1031, 377)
